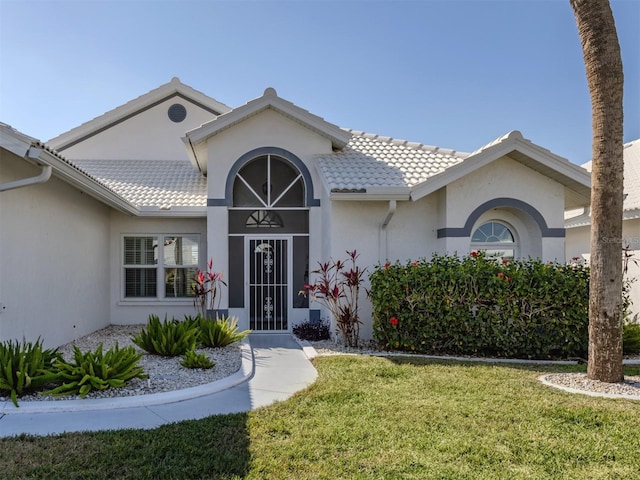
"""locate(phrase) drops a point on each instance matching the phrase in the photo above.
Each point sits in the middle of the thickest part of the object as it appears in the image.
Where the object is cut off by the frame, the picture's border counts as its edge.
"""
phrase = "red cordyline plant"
(205, 289)
(337, 288)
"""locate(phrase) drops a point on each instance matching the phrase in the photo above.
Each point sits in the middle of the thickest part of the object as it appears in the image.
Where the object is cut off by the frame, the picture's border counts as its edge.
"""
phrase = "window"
(268, 181)
(154, 274)
(495, 239)
(264, 219)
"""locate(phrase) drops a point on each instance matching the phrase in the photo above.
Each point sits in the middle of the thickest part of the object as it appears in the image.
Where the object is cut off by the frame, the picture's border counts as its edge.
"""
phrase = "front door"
(267, 291)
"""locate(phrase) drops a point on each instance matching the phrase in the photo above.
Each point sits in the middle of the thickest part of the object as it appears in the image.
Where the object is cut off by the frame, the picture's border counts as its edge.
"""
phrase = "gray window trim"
(497, 203)
(280, 152)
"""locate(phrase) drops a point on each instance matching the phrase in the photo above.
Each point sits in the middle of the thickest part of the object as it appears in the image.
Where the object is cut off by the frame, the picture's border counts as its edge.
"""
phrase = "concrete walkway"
(274, 367)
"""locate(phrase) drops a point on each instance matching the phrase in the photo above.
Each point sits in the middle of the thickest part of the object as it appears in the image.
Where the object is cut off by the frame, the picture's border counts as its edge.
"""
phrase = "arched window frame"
(498, 249)
(271, 200)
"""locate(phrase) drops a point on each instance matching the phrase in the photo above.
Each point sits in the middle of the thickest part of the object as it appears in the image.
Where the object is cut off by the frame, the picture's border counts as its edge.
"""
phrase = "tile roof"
(371, 160)
(151, 183)
(631, 155)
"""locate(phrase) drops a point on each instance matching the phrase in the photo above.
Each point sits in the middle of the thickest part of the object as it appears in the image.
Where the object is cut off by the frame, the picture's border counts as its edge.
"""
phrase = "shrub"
(205, 289)
(191, 359)
(220, 332)
(94, 371)
(338, 289)
(478, 306)
(631, 338)
(24, 367)
(312, 331)
(167, 338)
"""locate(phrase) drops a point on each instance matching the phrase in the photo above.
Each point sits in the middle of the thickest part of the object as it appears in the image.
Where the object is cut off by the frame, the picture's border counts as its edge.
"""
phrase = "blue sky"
(453, 73)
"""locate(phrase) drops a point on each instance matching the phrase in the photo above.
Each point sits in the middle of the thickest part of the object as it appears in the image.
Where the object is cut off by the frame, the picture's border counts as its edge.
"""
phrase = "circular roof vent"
(177, 113)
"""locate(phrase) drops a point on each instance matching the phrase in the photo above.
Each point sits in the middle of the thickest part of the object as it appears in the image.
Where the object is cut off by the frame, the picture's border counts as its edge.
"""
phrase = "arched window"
(268, 181)
(496, 239)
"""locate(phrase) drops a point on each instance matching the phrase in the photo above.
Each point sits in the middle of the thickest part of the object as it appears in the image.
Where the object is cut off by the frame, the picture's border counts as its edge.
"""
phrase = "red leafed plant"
(205, 289)
(337, 288)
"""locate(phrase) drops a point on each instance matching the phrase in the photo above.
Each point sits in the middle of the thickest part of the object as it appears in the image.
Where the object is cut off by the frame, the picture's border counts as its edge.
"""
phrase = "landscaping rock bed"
(165, 374)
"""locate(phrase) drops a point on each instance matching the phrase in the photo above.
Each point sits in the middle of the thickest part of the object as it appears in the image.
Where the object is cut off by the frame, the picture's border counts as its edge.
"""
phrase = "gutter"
(45, 174)
(382, 233)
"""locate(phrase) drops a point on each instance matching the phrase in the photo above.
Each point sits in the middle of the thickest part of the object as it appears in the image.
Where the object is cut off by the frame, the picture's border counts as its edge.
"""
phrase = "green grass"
(369, 418)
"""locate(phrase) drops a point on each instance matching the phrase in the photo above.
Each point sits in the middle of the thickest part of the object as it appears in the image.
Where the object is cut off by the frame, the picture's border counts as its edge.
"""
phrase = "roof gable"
(269, 100)
(173, 89)
(576, 180)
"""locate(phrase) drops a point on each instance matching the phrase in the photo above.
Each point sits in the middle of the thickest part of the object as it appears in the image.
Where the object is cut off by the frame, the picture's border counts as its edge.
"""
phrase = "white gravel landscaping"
(165, 374)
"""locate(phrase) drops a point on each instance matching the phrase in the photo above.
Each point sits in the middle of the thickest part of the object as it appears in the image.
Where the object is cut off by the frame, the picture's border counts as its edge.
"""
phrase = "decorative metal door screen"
(268, 289)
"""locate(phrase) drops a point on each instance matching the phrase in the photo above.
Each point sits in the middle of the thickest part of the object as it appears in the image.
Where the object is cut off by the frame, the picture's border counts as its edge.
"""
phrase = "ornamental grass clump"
(95, 371)
(167, 338)
(220, 332)
(338, 289)
(25, 367)
(477, 305)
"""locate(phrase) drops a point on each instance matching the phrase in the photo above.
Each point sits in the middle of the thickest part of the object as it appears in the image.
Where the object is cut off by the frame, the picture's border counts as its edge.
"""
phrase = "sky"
(451, 73)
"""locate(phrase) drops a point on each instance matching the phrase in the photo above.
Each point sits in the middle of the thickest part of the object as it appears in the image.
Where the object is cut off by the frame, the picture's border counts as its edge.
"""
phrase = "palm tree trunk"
(603, 63)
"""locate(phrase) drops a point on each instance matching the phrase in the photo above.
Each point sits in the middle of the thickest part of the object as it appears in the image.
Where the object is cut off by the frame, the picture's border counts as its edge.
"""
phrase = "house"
(119, 212)
(578, 223)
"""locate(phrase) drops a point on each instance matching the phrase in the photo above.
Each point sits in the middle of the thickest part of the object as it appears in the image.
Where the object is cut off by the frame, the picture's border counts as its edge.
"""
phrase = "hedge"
(476, 305)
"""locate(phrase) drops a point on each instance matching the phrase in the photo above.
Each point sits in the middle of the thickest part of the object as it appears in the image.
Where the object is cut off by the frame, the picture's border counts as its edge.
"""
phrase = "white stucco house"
(578, 223)
(106, 223)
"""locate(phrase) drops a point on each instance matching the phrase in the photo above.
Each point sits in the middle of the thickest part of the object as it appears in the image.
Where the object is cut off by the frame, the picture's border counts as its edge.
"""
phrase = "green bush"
(167, 338)
(631, 338)
(479, 306)
(95, 371)
(220, 332)
(191, 359)
(24, 367)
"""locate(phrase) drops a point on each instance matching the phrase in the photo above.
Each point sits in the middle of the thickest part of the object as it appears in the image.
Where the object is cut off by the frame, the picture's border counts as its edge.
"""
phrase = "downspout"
(383, 250)
(44, 176)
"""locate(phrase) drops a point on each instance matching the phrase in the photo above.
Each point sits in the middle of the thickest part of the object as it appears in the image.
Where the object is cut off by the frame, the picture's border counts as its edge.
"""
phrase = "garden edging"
(243, 374)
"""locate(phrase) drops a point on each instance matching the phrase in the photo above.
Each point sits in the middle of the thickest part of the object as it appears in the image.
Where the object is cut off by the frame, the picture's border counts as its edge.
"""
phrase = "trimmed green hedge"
(479, 306)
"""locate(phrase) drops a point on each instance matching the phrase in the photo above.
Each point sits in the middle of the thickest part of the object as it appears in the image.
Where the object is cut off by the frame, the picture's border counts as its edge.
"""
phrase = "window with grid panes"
(145, 276)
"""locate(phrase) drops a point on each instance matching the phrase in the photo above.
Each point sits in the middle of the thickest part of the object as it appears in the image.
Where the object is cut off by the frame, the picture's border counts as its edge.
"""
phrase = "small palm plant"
(191, 359)
(25, 367)
(220, 332)
(96, 370)
(168, 338)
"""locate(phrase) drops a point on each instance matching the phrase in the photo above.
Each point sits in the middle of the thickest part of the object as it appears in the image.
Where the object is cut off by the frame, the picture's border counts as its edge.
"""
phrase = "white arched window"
(496, 239)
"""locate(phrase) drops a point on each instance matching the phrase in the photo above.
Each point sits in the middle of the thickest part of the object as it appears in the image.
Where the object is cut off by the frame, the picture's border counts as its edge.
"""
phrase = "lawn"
(369, 418)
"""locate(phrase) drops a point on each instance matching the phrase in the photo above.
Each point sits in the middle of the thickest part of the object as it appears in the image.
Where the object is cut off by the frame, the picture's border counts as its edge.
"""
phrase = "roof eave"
(81, 181)
(173, 211)
(374, 194)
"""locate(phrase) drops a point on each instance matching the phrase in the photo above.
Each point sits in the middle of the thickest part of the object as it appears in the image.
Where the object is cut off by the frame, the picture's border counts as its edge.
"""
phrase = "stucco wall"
(578, 245)
(54, 259)
(150, 135)
(411, 234)
(137, 311)
(498, 179)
